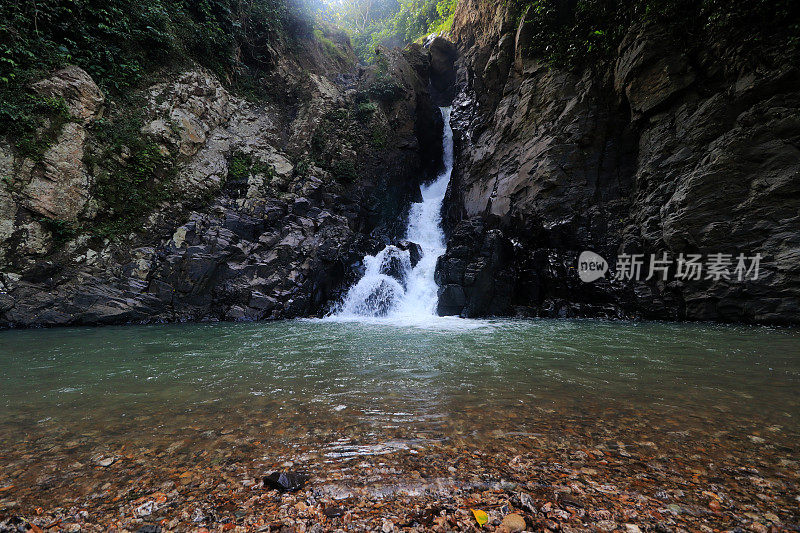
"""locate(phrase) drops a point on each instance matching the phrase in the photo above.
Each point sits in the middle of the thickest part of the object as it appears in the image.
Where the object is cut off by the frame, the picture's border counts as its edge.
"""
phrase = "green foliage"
(570, 34)
(382, 86)
(446, 10)
(339, 115)
(759, 22)
(344, 170)
(61, 230)
(379, 138)
(303, 166)
(385, 89)
(394, 23)
(122, 43)
(239, 167)
(329, 46)
(357, 15)
(417, 18)
(132, 174)
(116, 41)
(33, 120)
(365, 111)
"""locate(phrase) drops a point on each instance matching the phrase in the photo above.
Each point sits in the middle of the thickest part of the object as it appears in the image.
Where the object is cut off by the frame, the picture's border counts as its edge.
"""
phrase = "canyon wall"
(183, 200)
(666, 148)
(261, 208)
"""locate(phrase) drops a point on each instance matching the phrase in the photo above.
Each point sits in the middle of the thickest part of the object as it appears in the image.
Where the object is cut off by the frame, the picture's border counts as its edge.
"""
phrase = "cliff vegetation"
(389, 22)
(573, 33)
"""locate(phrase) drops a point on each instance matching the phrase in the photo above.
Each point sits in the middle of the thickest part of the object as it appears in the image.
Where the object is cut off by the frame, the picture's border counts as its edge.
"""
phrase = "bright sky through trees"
(386, 22)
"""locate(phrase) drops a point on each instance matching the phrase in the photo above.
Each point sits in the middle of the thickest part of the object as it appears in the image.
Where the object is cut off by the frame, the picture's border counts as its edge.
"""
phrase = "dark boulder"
(395, 264)
(477, 274)
(451, 300)
(414, 250)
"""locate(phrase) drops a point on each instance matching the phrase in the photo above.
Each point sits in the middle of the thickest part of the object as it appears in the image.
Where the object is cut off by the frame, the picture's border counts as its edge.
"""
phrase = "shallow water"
(382, 402)
(424, 379)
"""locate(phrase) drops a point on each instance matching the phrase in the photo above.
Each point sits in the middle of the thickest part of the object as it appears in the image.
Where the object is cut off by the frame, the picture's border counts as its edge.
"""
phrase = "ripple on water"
(399, 371)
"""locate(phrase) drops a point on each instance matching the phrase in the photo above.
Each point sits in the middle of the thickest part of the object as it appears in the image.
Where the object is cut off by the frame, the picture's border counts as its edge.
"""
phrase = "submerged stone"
(286, 481)
(149, 528)
(334, 512)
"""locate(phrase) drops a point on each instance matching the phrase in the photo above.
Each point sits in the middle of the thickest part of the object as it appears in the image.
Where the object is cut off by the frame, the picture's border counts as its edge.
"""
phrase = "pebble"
(146, 509)
(606, 525)
(106, 461)
(543, 481)
(513, 522)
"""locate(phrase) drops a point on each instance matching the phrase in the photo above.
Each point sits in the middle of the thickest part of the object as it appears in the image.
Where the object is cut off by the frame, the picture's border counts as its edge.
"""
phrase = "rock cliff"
(245, 209)
(665, 148)
(185, 201)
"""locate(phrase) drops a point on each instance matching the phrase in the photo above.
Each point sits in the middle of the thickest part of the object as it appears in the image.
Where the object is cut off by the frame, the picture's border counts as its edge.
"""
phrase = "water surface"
(93, 417)
(380, 374)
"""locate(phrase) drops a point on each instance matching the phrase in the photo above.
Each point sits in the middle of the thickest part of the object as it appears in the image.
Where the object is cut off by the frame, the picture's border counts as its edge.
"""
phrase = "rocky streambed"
(637, 471)
(560, 425)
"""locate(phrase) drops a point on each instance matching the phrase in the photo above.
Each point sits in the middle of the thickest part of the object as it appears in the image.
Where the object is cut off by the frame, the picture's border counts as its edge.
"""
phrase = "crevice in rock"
(443, 71)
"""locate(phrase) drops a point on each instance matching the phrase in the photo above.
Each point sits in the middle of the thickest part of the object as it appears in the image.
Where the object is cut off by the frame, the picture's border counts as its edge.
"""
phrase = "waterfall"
(399, 280)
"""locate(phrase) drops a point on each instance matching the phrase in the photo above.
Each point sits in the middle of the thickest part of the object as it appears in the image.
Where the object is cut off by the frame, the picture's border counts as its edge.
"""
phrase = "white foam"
(412, 300)
(427, 322)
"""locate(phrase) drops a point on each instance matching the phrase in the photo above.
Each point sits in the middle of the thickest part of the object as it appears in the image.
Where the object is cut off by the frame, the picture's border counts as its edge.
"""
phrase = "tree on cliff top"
(123, 43)
(117, 41)
(389, 22)
(570, 33)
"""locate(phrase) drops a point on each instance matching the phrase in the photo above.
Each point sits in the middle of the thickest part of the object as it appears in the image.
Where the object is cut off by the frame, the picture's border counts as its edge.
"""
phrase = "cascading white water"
(391, 287)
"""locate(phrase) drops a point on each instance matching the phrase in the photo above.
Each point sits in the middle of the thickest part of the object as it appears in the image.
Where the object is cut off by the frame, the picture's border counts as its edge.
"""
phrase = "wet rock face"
(443, 55)
(261, 225)
(666, 150)
(651, 69)
(475, 277)
(414, 250)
